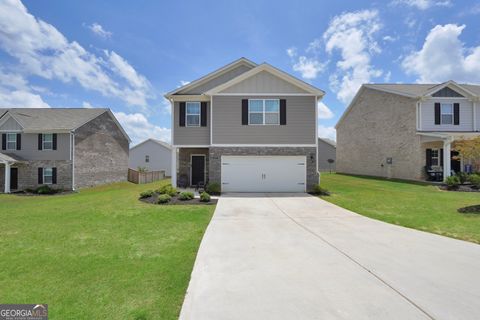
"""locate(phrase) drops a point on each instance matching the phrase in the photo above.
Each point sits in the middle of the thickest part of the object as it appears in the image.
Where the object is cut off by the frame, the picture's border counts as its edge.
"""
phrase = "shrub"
(146, 194)
(204, 197)
(475, 180)
(167, 189)
(186, 196)
(213, 188)
(452, 182)
(462, 177)
(319, 191)
(164, 198)
(45, 190)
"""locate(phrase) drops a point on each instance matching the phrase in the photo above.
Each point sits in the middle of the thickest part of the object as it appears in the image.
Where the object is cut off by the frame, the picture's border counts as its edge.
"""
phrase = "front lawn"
(100, 253)
(414, 205)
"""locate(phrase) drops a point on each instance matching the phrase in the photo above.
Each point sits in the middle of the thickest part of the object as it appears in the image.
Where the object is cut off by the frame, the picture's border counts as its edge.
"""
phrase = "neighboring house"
(151, 154)
(64, 148)
(249, 127)
(327, 151)
(406, 130)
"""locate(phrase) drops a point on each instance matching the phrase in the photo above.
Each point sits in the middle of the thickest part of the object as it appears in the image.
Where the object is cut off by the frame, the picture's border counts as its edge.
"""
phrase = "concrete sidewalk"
(298, 257)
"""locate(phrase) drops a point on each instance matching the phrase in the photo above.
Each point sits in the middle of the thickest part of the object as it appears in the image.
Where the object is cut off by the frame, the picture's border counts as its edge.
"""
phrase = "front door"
(13, 178)
(455, 163)
(198, 169)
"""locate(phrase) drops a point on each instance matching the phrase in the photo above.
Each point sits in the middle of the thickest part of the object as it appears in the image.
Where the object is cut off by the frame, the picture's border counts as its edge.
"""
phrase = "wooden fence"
(145, 177)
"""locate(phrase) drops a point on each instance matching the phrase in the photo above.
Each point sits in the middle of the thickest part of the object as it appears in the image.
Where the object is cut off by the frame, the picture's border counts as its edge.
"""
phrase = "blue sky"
(126, 54)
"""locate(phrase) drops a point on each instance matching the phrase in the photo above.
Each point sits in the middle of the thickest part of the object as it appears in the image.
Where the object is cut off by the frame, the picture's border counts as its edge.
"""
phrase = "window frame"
(451, 114)
(436, 158)
(45, 175)
(44, 141)
(193, 114)
(147, 158)
(264, 113)
(9, 134)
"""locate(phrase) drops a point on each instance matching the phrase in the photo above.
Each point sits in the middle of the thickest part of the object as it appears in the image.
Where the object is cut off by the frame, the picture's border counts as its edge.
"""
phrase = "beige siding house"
(407, 131)
(65, 148)
(247, 127)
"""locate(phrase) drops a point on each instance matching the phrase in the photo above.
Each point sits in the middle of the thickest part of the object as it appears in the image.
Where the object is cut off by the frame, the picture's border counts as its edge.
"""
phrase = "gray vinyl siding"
(160, 157)
(190, 135)
(30, 150)
(427, 118)
(10, 124)
(228, 128)
(264, 82)
(227, 76)
(326, 151)
(477, 116)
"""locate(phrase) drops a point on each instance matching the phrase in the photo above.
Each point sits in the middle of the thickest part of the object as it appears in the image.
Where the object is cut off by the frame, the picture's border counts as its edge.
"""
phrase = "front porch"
(9, 172)
(190, 167)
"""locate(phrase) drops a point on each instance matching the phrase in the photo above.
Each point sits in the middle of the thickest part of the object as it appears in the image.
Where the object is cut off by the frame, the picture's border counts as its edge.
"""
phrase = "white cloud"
(387, 76)
(309, 68)
(390, 39)
(444, 57)
(423, 4)
(292, 52)
(324, 112)
(166, 106)
(327, 132)
(43, 51)
(184, 83)
(97, 29)
(352, 34)
(21, 99)
(139, 128)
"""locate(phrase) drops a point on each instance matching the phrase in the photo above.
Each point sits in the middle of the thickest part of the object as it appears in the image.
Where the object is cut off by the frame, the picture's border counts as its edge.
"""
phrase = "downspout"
(72, 155)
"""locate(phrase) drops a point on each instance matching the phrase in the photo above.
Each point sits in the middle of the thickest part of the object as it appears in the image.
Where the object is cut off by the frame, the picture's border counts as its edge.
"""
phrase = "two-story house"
(407, 131)
(249, 127)
(64, 148)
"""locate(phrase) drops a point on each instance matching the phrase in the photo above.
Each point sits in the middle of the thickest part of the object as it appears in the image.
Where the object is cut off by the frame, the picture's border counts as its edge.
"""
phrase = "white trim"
(193, 114)
(266, 94)
(159, 142)
(7, 141)
(43, 142)
(316, 135)
(11, 131)
(204, 166)
(173, 167)
(191, 146)
(448, 98)
(44, 169)
(449, 84)
(474, 111)
(264, 113)
(7, 115)
(446, 114)
(264, 145)
(211, 120)
(7, 177)
(172, 118)
(189, 97)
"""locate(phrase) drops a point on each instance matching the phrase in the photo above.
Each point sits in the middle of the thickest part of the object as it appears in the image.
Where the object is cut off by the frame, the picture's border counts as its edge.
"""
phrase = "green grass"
(100, 253)
(414, 205)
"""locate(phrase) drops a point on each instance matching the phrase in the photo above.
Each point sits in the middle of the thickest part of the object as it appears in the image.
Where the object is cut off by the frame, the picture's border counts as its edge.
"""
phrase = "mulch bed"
(175, 201)
(470, 209)
(461, 188)
(32, 194)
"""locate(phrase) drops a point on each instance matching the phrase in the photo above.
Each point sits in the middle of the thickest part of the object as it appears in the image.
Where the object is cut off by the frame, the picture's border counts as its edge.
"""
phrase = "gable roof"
(159, 142)
(271, 69)
(417, 90)
(55, 119)
(212, 75)
(328, 141)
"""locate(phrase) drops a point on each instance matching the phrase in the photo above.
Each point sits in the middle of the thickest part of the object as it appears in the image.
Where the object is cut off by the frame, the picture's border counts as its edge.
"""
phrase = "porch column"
(7, 177)
(447, 158)
(174, 167)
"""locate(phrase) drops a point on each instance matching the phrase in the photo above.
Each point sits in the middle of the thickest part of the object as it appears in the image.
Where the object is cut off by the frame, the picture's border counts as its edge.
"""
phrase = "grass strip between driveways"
(99, 253)
(415, 205)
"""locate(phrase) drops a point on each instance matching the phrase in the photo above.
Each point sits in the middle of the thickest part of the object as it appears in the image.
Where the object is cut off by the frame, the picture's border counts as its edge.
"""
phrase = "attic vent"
(447, 93)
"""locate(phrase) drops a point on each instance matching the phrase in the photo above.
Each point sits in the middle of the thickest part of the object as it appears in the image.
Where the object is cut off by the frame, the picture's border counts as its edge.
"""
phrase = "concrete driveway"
(298, 257)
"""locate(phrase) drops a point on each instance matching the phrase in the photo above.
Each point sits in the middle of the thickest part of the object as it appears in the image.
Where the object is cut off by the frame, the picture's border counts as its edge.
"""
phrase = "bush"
(319, 191)
(213, 188)
(164, 198)
(475, 180)
(146, 194)
(186, 196)
(204, 197)
(45, 190)
(167, 189)
(452, 182)
(462, 177)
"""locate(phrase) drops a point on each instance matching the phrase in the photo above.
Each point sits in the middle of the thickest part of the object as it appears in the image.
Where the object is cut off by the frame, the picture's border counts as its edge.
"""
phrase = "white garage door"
(263, 173)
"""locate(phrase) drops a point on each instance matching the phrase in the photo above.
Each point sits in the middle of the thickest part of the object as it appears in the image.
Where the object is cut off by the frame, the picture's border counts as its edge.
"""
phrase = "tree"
(469, 149)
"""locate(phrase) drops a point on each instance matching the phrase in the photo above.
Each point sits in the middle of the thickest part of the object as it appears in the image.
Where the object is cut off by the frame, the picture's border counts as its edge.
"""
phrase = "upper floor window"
(264, 111)
(147, 158)
(11, 141)
(447, 113)
(47, 141)
(192, 114)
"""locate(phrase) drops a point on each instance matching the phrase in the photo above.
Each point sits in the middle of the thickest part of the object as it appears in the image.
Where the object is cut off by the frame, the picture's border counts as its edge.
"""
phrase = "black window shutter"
(182, 115)
(441, 157)
(437, 113)
(54, 175)
(4, 141)
(245, 112)
(429, 158)
(40, 175)
(54, 141)
(283, 111)
(19, 141)
(456, 114)
(203, 114)
(40, 141)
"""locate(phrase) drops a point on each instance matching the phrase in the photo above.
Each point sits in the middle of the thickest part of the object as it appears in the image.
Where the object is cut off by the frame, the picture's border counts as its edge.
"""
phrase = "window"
(147, 158)
(192, 114)
(11, 141)
(47, 141)
(447, 113)
(264, 111)
(435, 157)
(47, 175)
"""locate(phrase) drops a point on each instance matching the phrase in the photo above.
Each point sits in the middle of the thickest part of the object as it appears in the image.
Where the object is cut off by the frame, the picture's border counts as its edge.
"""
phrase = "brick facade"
(184, 163)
